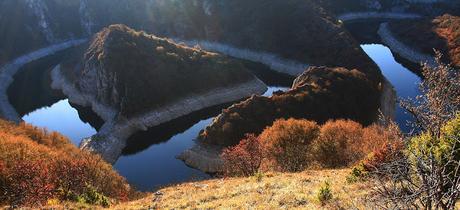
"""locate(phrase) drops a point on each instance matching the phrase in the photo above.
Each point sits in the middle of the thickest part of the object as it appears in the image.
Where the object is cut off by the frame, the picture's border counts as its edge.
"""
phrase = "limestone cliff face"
(319, 94)
(300, 30)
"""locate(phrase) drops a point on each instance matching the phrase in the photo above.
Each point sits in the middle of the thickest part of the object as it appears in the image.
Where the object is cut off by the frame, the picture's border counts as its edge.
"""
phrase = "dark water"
(149, 160)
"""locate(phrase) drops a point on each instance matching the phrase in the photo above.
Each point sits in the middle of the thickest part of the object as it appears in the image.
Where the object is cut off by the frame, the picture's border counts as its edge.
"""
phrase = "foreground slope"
(270, 191)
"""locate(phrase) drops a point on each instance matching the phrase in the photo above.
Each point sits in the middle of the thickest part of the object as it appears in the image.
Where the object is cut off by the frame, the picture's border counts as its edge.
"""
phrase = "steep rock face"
(297, 30)
(279, 27)
(134, 72)
(319, 94)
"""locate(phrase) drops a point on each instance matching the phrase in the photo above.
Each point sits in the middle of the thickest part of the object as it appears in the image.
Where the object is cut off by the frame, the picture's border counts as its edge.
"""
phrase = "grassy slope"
(274, 191)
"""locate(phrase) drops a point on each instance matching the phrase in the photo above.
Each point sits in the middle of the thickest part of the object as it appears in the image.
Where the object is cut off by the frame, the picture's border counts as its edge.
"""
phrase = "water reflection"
(63, 118)
(404, 81)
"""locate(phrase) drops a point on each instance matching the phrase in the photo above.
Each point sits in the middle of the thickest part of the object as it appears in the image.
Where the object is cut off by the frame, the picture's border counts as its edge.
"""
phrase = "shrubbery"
(243, 159)
(337, 144)
(287, 143)
(36, 167)
(294, 145)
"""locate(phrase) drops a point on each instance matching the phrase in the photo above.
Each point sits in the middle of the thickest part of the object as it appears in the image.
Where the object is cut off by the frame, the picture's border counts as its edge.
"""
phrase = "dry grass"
(273, 191)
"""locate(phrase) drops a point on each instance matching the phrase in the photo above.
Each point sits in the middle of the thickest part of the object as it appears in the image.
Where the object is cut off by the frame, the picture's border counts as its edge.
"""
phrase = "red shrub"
(384, 145)
(287, 143)
(387, 153)
(32, 171)
(243, 159)
(29, 183)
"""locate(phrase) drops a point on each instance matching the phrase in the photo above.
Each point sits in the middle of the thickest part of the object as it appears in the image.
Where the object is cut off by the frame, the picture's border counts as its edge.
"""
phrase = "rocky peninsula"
(133, 81)
(319, 94)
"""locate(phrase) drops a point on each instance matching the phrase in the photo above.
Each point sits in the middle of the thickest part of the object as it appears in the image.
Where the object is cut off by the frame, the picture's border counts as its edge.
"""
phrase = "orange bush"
(36, 166)
(243, 159)
(336, 145)
(388, 145)
(294, 145)
(287, 143)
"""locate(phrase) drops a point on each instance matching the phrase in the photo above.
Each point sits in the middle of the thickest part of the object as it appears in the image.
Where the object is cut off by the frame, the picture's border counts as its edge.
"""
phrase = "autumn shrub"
(243, 159)
(338, 143)
(37, 166)
(287, 143)
(29, 183)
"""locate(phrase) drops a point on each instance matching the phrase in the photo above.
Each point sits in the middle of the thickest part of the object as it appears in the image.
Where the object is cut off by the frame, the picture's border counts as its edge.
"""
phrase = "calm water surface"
(404, 81)
(63, 118)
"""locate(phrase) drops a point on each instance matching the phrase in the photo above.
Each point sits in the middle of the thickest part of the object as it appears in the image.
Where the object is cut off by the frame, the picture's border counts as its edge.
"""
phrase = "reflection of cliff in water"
(162, 133)
(87, 115)
(365, 32)
(31, 88)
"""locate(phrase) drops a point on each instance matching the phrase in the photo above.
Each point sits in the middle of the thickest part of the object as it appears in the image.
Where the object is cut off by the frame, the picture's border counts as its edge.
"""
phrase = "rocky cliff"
(299, 33)
(134, 81)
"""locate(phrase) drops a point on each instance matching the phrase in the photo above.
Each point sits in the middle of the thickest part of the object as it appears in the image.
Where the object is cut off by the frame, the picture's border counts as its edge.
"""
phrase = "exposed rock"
(402, 49)
(8, 70)
(204, 157)
(243, 25)
(41, 22)
(441, 33)
(134, 81)
(348, 17)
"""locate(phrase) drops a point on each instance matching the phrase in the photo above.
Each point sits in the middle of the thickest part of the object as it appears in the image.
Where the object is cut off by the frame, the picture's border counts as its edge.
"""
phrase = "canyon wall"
(275, 26)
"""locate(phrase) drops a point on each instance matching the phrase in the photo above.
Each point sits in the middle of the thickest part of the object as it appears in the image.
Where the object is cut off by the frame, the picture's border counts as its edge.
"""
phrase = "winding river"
(148, 161)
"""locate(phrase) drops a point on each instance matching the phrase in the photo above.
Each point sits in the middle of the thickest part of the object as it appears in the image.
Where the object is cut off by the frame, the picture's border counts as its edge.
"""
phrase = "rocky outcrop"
(319, 94)
(402, 49)
(135, 81)
(274, 62)
(440, 33)
(356, 16)
(8, 71)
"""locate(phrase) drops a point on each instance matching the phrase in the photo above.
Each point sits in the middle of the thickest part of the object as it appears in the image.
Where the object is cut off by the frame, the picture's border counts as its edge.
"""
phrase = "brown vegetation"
(37, 166)
(295, 145)
(319, 94)
(287, 143)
